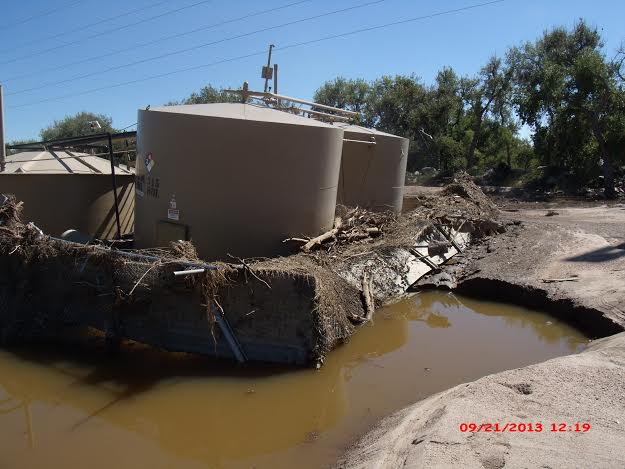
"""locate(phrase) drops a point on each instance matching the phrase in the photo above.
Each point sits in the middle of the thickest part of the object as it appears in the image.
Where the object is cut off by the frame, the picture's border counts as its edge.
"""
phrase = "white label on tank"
(172, 202)
(139, 185)
(149, 162)
(173, 214)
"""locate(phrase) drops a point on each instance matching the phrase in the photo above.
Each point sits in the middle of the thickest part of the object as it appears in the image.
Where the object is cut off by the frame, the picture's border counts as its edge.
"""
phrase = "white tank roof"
(241, 111)
(59, 162)
(363, 130)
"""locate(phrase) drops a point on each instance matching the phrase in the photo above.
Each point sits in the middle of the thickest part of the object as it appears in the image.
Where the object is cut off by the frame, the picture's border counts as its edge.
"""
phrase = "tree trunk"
(508, 154)
(607, 167)
(477, 127)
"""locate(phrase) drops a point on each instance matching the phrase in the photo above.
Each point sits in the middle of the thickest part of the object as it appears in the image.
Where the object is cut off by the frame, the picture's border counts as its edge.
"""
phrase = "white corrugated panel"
(60, 162)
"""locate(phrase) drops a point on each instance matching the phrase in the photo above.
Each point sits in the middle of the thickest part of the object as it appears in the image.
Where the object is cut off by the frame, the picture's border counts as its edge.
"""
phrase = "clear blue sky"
(463, 40)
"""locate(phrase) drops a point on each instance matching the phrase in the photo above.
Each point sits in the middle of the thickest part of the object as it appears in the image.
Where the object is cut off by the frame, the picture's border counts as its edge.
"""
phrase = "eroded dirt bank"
(572, 264)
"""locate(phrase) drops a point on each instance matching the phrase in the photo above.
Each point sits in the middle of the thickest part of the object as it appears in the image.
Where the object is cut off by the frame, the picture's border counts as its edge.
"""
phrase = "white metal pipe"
(181, 273)
(370, 143)
(310, 103)
(296, 100)
(325, 114)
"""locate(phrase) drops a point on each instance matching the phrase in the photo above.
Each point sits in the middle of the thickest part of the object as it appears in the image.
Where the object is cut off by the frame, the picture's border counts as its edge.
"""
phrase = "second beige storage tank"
(233, 178)
(373, 169)
(64, 190)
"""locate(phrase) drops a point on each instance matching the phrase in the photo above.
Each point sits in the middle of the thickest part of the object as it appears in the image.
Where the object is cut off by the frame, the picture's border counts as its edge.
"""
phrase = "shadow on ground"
(604, 254)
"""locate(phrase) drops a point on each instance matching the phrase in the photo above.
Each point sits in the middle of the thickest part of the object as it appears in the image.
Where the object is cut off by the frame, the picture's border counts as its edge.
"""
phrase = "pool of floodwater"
(76, 407)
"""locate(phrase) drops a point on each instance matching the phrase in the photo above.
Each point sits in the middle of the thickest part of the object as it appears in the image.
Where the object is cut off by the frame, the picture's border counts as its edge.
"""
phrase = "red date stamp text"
(520, 427)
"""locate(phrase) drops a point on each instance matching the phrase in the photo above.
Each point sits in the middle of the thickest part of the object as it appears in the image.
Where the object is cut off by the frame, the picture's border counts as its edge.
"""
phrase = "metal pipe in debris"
(228, 333)
(139, 256)
(182, 273)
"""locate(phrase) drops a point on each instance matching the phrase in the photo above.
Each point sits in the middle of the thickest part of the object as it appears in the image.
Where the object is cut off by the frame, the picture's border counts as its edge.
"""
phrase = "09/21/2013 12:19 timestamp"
(558, 427)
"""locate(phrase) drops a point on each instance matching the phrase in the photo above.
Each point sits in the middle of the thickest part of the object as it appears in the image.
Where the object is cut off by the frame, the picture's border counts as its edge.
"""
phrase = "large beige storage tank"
(373, 169)
(233, 178)
(67, 190)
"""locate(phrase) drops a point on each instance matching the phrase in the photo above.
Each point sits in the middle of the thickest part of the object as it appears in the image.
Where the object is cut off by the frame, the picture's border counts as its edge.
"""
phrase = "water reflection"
(183, 410)
(545, 327)
(246, 411)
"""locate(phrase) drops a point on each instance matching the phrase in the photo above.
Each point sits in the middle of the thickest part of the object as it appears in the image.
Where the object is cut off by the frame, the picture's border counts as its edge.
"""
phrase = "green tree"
(568, 91)
(397, 104)
(18, 142)
(208, 94)
(483, 95)
(342, 93)
(440, 120)
(76, 126)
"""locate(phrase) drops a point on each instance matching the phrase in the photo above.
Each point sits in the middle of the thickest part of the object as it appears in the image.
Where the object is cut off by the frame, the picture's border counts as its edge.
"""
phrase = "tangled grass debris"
(135, 278)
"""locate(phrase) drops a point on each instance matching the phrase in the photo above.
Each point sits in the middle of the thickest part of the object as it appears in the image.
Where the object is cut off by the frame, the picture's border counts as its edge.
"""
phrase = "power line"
(103, 33)
(41, 14)
(200, 46)
(127, 127)
(139, 80)
(155, 41)
(264, 52)
(90, 25)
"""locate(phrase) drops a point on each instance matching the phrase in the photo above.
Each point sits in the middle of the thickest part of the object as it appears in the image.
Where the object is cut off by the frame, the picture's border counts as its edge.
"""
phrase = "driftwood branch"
(297, 240)
(138, 282)
(367, 295)
(555, 280)
(356, 225)
(338, 223)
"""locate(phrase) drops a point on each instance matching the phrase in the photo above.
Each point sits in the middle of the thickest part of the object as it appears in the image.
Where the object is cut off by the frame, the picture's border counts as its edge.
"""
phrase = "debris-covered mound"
(9, 211)
(464, 187)
(292, 309)
(338, 304)
(288, 310)
(397, 254)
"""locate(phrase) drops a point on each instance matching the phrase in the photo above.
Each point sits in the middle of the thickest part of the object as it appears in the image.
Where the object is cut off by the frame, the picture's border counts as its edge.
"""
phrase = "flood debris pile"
(350, 225)
(291, 309)
(407, 247)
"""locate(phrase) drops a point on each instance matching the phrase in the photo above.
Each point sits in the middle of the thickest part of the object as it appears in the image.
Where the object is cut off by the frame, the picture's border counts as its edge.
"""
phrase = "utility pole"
(268, 71)
(3, 148)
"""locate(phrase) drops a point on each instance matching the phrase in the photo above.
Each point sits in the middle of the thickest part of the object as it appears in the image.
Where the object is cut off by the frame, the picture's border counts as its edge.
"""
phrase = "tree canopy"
(207, 95)
(561, 88)
(457, 122)
(572, 96)
(558, 101)
(77, 126)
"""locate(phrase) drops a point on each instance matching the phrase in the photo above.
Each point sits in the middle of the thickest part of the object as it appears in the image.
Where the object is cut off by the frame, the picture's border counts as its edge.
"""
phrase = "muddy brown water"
(75, 407)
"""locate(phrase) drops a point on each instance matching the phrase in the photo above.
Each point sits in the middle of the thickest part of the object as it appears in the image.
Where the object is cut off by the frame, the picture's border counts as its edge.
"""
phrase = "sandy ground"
(587, 387)
(573, 264)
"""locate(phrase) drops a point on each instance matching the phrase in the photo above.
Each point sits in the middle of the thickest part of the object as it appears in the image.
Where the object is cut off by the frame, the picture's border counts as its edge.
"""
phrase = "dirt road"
(571, 263)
